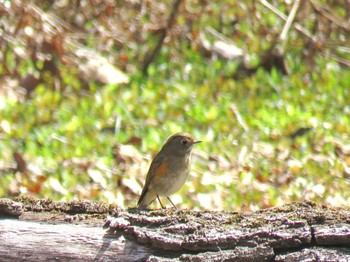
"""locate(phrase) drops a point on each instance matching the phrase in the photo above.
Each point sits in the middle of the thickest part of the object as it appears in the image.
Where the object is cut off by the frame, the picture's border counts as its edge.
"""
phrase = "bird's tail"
(146, 198)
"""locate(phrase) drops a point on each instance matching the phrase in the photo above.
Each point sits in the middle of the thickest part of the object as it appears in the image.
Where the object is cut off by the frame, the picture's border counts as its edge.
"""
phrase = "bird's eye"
(184, 142)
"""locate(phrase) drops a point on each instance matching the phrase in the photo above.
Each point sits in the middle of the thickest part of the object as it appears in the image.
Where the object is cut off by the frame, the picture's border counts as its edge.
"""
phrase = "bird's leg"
(171, 202)
(152, 201)
(160, 202)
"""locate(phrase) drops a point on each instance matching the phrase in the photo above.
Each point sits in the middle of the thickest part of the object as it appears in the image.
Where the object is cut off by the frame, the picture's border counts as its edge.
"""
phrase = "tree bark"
(41, 230)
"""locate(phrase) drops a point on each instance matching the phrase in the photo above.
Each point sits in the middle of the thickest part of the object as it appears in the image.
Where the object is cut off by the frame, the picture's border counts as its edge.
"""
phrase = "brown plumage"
(169, 169)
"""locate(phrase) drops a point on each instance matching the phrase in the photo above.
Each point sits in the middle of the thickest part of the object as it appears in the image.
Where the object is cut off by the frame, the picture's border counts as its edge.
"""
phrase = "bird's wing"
(158, 167)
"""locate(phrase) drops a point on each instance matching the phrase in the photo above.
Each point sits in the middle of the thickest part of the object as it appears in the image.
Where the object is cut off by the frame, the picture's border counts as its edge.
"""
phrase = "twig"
(326, 13)
(219, 35)
(341, 61)
(305, 32)
(343, 49)
(283, 36)
(149, 58)
(284, 17)
(239, 117)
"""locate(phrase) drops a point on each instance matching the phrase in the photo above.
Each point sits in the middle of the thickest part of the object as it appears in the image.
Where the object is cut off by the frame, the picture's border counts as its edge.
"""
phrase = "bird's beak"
(197, 141)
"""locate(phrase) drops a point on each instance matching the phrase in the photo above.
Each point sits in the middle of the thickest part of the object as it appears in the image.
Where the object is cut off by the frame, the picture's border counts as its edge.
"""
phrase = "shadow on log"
(41, 230)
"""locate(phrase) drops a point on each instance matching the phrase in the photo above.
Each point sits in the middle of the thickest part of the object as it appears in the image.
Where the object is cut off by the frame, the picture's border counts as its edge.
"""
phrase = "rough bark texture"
(41, 230)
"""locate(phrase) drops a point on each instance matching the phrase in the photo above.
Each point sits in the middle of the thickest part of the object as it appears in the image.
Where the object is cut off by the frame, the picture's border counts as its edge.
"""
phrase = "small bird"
(169, 169)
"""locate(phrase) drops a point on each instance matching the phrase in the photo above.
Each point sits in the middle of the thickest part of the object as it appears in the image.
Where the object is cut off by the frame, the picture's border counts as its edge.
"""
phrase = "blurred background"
(90, 90)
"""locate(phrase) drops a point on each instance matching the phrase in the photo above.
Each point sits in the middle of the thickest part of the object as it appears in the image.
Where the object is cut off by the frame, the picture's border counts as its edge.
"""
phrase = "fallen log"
(42, 230)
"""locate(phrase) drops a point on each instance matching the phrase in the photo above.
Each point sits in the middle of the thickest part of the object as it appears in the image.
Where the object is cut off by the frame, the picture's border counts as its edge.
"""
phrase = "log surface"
(42, 231)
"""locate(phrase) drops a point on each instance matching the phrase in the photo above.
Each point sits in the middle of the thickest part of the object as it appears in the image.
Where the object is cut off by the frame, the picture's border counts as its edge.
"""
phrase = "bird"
(168, 170)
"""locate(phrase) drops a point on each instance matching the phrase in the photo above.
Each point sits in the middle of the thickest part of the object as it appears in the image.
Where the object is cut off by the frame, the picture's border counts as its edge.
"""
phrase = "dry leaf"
(99, 69)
